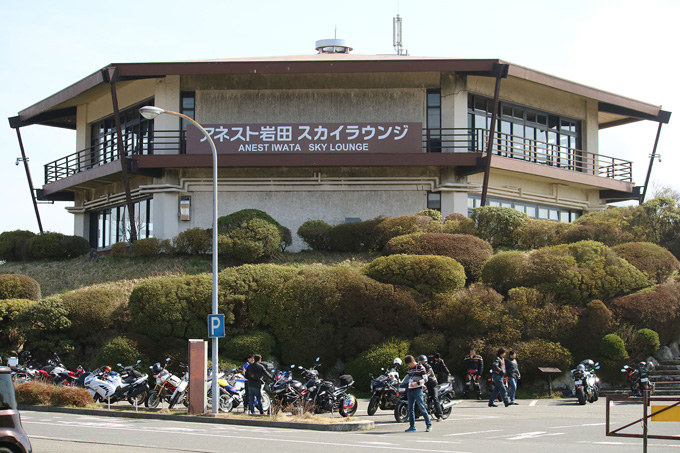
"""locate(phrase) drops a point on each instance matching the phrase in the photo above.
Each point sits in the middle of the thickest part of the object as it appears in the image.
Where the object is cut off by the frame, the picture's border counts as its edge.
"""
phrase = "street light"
(150, 112)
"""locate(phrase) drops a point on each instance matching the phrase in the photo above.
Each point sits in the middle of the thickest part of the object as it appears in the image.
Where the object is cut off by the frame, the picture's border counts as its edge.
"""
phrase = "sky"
(625, 47)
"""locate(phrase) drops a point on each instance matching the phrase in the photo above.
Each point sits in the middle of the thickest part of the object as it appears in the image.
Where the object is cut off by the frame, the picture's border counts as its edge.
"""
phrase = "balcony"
(434, 141)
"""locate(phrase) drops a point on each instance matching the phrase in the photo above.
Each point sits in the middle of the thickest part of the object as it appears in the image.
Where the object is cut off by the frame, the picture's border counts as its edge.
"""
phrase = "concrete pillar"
(166, 224)
(452, 202)
(590, 133)
(167, 96)
(198, 363)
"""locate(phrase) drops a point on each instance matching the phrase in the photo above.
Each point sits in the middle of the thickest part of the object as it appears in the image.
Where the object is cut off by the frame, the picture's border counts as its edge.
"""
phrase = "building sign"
(308, 138)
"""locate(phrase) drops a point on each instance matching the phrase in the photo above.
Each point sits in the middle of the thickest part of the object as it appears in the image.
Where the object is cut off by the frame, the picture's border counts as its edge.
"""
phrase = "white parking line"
(533, 435)
(577, 426)
(533, 403)
(474, 432)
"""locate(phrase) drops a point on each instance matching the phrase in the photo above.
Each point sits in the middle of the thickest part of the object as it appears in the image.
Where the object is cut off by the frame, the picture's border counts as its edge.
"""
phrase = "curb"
(363, 425)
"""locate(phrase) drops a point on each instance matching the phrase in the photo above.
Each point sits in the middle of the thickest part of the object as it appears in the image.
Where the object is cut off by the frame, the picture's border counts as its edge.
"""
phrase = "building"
(332, 136)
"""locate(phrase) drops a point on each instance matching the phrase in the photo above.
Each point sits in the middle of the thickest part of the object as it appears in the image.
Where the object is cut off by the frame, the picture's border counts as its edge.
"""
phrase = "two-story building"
(332, 136)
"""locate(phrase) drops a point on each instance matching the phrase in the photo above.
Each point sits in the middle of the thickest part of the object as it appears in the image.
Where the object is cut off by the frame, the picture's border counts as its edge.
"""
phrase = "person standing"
(431, 386)
(440, 369)
(513, 374)
(249, 360)
(254, 374)
(497, 374)
(417, 376)
(474, 364)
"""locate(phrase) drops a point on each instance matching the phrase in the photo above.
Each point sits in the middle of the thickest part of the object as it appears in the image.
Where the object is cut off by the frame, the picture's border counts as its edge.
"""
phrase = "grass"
(57, 277)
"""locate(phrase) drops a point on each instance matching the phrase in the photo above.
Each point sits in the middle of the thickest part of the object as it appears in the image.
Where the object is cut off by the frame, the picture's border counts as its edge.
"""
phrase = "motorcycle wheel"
(140, 398)
(185, 400)
(174, 400)
(401, 412)
(351, 411)
(225, 403)
(446, 412)
(266, 403)
(595, 396)
(373, 405)
(152, 399)
(581, 396)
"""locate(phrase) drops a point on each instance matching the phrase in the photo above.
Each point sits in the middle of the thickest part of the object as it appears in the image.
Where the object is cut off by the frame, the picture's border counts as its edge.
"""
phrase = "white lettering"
(349, 147)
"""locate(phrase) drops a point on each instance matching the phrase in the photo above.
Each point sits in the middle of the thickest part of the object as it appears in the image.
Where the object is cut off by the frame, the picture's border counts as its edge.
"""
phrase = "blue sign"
(215, 326)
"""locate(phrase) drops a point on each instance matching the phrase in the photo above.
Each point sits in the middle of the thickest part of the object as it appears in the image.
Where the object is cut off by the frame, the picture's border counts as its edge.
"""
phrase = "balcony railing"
(434, 140)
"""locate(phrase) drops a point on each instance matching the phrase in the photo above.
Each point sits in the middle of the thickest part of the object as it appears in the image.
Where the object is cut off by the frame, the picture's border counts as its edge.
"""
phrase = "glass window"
(531, 211)
(564, 216)
(554, 215)
(434, 200)
(542, 213)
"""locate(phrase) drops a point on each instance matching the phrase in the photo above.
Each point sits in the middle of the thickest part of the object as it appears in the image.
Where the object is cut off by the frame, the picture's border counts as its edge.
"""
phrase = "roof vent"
(333, 46)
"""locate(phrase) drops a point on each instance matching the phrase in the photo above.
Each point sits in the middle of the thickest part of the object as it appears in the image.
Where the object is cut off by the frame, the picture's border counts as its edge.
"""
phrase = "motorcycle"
(324, 396)
(637, 378)
(236, 387)
(445, 394)
(586, 382)
(385, 390)
(166, 383)
(287, 392)
(107, 385)
(180, 393)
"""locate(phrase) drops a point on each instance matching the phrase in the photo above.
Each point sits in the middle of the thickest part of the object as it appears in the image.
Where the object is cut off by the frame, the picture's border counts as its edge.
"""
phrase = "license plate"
(644, 379)
(578, 382)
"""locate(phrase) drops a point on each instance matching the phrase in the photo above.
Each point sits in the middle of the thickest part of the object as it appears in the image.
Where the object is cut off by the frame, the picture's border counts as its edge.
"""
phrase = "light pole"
(150, 112)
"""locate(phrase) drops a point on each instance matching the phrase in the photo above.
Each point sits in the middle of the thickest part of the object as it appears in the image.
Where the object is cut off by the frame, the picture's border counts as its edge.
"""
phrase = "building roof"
(59, 109)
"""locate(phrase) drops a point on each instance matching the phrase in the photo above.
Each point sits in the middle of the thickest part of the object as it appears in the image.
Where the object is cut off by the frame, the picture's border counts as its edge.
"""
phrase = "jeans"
(255, 393)
(415, 396)
(432, 394)
(498, 389)
(512, 388)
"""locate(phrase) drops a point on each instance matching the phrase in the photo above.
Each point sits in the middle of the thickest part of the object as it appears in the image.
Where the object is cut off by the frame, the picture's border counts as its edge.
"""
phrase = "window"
(434, 201)
(187, 107)
(434, 121)
(135, 132)
(533, 211)
(113, 224)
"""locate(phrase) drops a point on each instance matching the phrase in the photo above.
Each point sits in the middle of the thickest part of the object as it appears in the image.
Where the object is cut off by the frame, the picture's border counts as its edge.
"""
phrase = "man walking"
(440, 369)
(497, 374)
(417, 376)
(254, 374)
(512, 370)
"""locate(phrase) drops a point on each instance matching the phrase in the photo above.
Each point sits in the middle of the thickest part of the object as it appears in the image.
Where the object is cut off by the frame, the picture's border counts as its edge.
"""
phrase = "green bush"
(120, 249)
(597, 228)
(649, 341)
(17, 286)
(14, 245)
(316, 234)
(11, 338)
(427, 274)
(433, 214)
(497, 224)
(118, 350)
(94, 309)
(75, 246)
(66, 396)
(194, 241)
(505, 270)
(249, 219)
(251, 241)
(656, 262)
(458, 224)
(540, 315)
(56, 246)
(146, 247)
(534, 234)
(541, 353)
(44, 325)
(174, 307)
(393, 227)
(258, 342)
(429, 343)
(355, 236)
(612, 347)
(373, 359)
(470, 251)
(359, 339)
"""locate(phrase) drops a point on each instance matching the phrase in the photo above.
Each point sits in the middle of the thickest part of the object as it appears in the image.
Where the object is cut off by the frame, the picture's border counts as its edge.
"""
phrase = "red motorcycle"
(637, 378)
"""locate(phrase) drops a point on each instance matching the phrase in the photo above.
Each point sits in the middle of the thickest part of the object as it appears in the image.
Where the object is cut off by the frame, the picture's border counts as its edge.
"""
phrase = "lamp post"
(150, 112)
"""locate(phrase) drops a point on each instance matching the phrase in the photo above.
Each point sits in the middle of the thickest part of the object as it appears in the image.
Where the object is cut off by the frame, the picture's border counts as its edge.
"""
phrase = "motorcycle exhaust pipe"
(449, 404)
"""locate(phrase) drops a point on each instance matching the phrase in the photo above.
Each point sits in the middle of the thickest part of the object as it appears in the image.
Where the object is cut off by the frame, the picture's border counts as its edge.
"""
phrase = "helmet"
(588, 363)
(397, 361)
(422, 358)
(156, 368)
(581, 367)
(26, 355)
(642, 364)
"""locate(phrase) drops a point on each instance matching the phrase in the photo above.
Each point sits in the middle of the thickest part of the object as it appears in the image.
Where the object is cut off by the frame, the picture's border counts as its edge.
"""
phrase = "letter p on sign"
(215, 326)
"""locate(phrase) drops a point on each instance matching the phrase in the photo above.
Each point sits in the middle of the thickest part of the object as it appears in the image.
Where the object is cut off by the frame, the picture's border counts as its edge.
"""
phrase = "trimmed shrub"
(393, 227)
(56, 246)
(254, 219)
(540, 316)
(371, 360)
(316, 234)
(14, 245)
(429, 343)
(94, 309)
(146, 247)
(118, 350)
(70, 397)
(361, 338)
(656, 262)
(355, 236)
(505, 270)
(44, 325)
(286, 238)
(427, 274)
(35, 393)
(17, 286)
(596, 228)
(470, 251)
(497, 225)
(11, 338)
(120, 249)
(612, 347)
(541, 353)
(534, 234)
(194, 241)
(75, 246)
(258, 342)
(174, 307)
(253, 240)
(649, 341)
(433, 214)
(458, 224)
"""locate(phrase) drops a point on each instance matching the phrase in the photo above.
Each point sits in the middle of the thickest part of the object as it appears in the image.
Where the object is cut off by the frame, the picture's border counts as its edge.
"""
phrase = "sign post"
(216, 326)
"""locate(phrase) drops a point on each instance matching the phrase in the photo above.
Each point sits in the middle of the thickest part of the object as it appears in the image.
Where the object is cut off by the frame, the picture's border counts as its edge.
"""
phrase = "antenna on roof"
(334, 45)
(397, 36)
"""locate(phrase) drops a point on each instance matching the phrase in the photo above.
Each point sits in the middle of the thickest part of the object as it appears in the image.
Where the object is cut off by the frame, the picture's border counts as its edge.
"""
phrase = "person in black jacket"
(254, 374)
(498, 371)
(440, 369)
(431, 386)
(474, 365)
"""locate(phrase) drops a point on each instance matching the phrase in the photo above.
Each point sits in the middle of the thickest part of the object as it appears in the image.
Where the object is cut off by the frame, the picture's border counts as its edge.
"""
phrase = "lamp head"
(150, 112)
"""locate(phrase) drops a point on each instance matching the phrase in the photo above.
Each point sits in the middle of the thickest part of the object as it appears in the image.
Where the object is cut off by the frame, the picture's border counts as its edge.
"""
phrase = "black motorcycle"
(321, 396)
(638, 378)
(286, 392)
(385, 390)
(586, 382)
(445, 394)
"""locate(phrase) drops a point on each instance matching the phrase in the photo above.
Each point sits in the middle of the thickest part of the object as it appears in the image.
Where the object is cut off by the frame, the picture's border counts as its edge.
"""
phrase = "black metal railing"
(434, 140)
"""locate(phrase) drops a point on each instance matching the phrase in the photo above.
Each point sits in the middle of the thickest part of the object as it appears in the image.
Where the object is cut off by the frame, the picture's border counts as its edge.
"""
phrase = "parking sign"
(215, 326)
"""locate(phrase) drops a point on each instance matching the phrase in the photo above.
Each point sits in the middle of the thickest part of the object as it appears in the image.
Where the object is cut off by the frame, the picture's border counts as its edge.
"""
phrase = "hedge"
(541, 353)
(470, 251)
(11, 338)
(612, 347)
(540, 316)
(393, 227)
(497, 224)
(14, 245)
(118, 350)
(250, 241)
(17, 286)
(39, 393)
(534, 234)
(316, 234)
(94, 309)
(257, 342)
(56, 246)
(44, 325)
(596, 228)
(656, 262)
(505, 270)
(246, 219)
(427, 274)
(375, 358)
(458, 224)
(194, 241)
(146, 247)
(355, 236)
(120, 249)
(649, 341)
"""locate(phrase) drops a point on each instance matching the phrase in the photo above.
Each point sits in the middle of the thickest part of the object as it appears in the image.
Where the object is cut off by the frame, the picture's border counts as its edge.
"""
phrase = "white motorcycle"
(107, 385)
(180, 393)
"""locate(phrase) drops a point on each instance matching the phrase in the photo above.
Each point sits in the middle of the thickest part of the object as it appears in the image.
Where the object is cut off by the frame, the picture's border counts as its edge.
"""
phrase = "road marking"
(577, 426)
(533, 435)
(474, 432)
(533, 403)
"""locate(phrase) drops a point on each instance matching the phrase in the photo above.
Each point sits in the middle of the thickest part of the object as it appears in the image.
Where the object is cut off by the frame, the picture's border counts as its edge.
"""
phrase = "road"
(534, 426)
